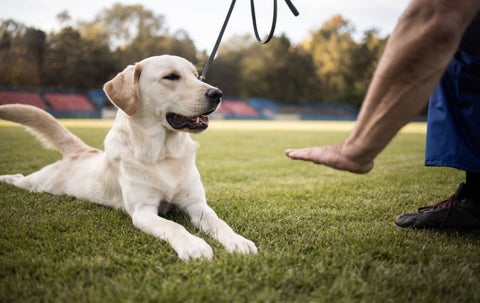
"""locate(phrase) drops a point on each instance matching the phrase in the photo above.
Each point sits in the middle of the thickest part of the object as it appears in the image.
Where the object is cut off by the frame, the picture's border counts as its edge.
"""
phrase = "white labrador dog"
(149, 160)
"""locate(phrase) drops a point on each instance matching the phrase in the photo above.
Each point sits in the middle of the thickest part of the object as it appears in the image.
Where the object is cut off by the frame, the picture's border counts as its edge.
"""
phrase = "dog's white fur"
(147, 165)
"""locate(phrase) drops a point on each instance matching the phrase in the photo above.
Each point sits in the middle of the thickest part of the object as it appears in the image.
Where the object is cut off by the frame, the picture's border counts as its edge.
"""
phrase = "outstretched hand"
(333, 156)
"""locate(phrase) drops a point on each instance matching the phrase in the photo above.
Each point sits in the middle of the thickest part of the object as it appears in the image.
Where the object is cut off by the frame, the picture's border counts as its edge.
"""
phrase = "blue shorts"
(453, 130)
(453, 125)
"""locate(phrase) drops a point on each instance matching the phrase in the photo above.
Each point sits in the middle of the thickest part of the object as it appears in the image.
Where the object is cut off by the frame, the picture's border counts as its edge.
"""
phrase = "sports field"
(323, 235)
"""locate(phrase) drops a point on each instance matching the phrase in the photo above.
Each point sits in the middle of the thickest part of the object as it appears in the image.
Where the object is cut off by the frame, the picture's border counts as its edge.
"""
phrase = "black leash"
(255, 29)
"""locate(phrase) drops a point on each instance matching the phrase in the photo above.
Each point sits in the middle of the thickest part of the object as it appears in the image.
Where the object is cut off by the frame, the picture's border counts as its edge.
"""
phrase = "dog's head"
(165, 89)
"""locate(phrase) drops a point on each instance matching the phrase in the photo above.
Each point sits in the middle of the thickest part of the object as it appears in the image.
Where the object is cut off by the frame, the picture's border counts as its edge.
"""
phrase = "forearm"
(415, 57)
(423, 42)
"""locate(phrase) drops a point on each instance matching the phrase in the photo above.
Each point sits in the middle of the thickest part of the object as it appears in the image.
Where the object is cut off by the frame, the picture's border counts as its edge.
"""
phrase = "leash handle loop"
(255, 29)
(292, 8)
(254, 21)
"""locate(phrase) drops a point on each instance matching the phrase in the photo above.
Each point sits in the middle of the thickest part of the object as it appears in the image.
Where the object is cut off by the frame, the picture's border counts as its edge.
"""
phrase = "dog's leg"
(38, 181)
(207, 220)
(185, 244)
(11, 179)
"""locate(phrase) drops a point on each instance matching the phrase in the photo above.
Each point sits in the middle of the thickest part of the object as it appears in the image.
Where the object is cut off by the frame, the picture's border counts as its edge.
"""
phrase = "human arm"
(416, 55)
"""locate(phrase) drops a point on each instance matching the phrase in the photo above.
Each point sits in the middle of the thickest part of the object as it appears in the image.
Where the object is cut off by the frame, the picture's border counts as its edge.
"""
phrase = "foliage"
(72, 61)
(156, 45)
(122, 24)
(344, 66)
(328, 66)
(323, 235)
(22, 52)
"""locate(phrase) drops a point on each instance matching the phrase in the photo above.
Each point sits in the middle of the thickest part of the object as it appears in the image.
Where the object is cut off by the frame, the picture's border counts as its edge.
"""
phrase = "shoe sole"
(475, 231)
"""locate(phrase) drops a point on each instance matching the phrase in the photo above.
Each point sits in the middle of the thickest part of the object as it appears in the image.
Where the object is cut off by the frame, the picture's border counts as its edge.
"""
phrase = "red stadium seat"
(69, 102)
(29, 98)
(238, 109)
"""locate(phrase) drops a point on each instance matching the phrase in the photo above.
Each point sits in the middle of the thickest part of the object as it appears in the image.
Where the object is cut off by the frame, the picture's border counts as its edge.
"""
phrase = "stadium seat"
(69, 102)
(28, 98)
(238, 109)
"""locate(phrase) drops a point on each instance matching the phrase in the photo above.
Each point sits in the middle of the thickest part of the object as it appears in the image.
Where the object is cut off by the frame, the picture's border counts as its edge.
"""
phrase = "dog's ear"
(123, 89)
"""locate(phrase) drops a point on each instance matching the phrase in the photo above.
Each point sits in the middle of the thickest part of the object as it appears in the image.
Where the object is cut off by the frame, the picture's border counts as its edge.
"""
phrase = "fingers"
(306, 154)
(318, 155)
(331, 156)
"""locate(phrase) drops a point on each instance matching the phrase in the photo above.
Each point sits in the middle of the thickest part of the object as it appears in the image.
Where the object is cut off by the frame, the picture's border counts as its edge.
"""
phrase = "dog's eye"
(172, 77)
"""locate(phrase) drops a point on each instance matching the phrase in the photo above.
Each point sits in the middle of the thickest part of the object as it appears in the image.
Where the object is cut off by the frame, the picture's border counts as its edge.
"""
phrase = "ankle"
(473, 186)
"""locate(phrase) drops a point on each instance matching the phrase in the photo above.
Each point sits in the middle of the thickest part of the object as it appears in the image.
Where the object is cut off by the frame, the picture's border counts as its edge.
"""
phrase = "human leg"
(460, 211)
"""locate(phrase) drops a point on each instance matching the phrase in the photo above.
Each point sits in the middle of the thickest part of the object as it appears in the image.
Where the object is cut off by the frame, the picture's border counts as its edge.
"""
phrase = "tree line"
(328, 66)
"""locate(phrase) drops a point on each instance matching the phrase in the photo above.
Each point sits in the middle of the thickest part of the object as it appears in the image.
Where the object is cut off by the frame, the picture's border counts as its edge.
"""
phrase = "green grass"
(323, 235)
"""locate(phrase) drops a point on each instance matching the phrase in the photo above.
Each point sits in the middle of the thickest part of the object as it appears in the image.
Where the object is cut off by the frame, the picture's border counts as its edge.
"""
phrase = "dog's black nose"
(214, 95)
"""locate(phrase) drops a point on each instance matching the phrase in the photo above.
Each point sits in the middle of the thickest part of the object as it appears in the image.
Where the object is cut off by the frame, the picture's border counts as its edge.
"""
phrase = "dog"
(148, 162)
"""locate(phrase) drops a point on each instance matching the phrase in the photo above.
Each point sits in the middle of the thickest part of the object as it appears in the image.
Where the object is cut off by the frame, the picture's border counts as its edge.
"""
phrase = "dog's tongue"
(193, 124)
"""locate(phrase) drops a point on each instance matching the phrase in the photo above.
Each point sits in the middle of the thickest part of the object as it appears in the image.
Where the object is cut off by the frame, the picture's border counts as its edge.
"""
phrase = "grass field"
(323, 235)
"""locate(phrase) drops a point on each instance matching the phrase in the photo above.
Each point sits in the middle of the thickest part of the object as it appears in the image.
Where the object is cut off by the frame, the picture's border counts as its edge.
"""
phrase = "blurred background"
(57, 55)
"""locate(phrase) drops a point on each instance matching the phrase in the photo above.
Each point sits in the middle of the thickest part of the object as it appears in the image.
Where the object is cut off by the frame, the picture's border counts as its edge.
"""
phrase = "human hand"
(335, 156)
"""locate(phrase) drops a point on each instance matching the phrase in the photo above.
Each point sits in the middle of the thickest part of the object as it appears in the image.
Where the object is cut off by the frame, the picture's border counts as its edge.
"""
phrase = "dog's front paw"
(192, 247)
(237, 243)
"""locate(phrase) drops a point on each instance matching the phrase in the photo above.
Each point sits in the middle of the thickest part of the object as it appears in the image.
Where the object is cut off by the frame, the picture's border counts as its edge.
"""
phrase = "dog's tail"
(42, 125)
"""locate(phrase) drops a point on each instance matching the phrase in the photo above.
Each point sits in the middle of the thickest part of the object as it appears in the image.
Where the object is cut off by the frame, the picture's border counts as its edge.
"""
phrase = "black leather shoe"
(460, 211)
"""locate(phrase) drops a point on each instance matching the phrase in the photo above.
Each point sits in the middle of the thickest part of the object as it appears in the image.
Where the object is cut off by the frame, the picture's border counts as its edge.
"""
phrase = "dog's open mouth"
(193, 124)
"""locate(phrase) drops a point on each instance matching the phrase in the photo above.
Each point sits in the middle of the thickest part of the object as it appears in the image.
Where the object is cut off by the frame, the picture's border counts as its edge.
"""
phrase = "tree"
(331, 48)
(157, 45)
(329, 66)
(10, 30)
(229, 67)
(63, 17)
(291, 72)
(277, 70)
(124, 24)
(21, 54)
(366, 56)
(35, 44)
(280, 71)
(76, 62)
(134, 33)
(344, 66)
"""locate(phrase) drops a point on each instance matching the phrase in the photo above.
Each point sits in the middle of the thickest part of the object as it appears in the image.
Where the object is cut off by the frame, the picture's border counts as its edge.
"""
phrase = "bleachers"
(68, 102)
(99, 97)
(320, 111)
(59, 103)
(28, 98)
(237, 109)
(93, 103)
